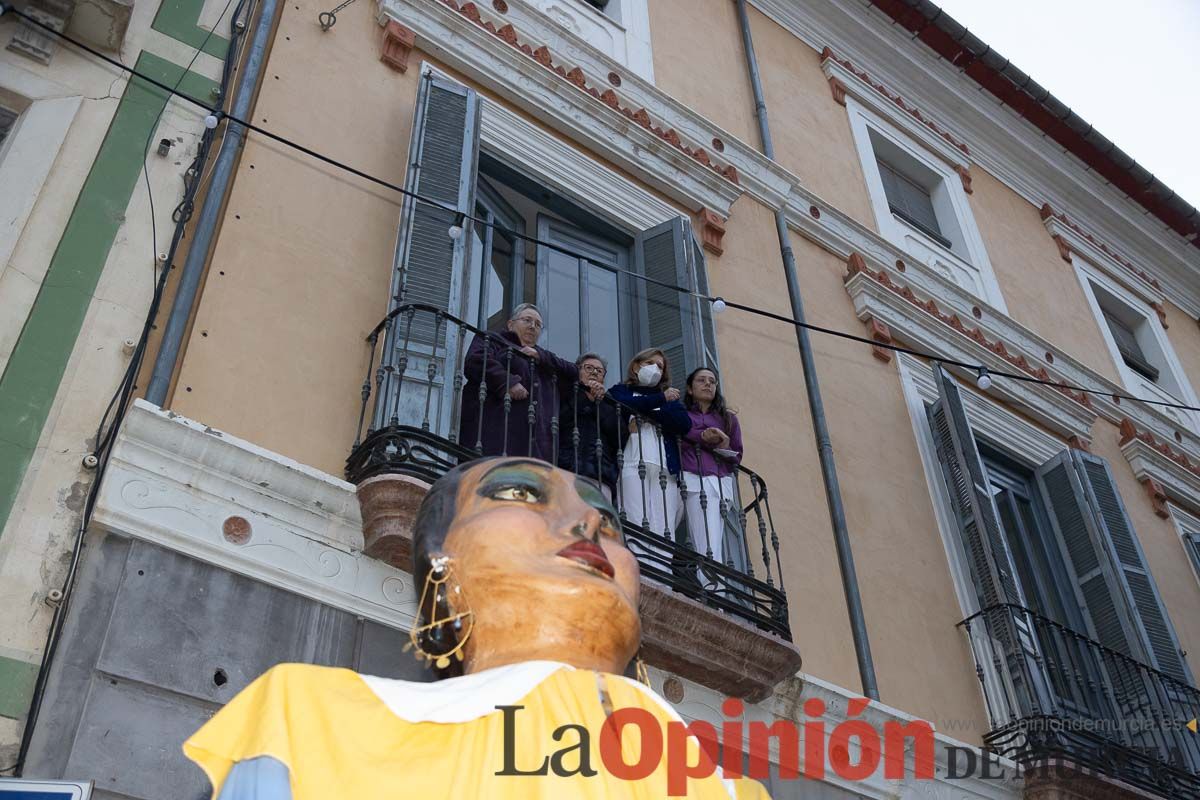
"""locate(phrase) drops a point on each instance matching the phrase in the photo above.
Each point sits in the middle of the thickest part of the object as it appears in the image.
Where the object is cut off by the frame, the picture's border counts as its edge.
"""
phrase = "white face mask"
(649, 374)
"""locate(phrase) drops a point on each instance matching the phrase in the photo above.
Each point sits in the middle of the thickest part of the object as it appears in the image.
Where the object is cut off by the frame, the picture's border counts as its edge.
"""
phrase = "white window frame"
(1022, 441)
(621, 31)
(1187, 525)
(1136, 384)
(949, 199)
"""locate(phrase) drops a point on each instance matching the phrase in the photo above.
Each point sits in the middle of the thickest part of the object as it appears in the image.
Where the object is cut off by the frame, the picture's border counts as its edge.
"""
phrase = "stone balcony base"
(1059, 779)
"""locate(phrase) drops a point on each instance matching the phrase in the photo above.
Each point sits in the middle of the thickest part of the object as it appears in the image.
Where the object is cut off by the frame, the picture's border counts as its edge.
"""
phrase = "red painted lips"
(590, 555)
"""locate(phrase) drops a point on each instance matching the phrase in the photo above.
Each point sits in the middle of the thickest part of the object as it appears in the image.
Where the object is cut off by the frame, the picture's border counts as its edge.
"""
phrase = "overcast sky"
(1131, 69)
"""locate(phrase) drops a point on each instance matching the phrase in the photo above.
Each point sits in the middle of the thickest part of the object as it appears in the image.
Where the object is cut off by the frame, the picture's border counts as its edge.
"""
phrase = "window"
(618, 28)
(1055, 539)
(911, 202)
(584, 279)
(919, 201)
(1137, 342)
(8, 118)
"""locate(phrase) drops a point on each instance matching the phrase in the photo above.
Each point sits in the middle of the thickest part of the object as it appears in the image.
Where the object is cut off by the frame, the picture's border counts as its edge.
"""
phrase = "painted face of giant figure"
(541, 562)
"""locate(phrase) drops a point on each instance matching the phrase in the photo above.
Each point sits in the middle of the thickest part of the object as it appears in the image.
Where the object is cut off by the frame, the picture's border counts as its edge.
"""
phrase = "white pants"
(646, 500)
(706, 525)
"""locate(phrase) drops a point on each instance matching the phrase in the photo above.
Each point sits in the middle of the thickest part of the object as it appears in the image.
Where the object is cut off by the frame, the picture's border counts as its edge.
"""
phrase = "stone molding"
(398, 42)
(176, 483)
(911, 322)
(844, 78)
(1071, 238)
(1163, 469)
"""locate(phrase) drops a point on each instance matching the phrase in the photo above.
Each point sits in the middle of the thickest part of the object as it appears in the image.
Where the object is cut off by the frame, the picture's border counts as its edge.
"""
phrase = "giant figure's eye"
(523, 494)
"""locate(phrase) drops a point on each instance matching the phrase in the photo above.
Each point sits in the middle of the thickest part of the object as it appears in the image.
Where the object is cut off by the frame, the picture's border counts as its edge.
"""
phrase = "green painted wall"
(16, 686)
(33, 374)
(179, 19)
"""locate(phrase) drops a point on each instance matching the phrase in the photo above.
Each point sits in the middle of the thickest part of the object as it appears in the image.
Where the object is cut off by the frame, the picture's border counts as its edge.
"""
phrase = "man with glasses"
(523, 388)
(588, 432)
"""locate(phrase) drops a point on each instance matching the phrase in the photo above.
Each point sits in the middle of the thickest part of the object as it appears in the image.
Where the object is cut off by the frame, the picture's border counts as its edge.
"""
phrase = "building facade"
(1026, 555)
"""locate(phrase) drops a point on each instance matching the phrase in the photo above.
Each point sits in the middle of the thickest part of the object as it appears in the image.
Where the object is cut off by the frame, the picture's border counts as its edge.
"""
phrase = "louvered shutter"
(1121, 599)
(706, 331)
(987, 553)
(668, 254)
(429, 264)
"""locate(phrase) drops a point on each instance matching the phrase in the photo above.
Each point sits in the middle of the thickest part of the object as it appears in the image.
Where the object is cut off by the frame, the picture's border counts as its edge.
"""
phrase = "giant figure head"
(541, 562)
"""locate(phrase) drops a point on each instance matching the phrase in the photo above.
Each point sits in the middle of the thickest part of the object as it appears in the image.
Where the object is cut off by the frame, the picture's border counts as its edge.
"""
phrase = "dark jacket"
(547, 381)
(672, 418)
(594, 420)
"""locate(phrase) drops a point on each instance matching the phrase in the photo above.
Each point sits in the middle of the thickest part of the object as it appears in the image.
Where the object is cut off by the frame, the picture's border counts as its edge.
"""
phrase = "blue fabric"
(672, 417)
(262, 778)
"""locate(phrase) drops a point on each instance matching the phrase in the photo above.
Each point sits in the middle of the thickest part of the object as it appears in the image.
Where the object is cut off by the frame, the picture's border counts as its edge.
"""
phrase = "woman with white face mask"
(652, 420)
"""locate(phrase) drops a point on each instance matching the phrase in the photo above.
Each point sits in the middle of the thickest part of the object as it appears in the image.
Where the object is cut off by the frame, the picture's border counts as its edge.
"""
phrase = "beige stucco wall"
(1183, 331)
(1041, 290)
(704, 66)
(908, 597)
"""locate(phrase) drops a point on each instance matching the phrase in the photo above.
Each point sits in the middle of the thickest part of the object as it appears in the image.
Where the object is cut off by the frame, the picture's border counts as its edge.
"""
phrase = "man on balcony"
(514, 390)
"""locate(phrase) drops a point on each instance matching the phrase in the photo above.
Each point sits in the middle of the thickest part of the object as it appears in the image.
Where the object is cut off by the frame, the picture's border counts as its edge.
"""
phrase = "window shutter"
(1118, 592)
(428, 267)
(987, 554)
(970, 497)
(443, 159)
(8, 119)
(663, 253)
(707, 333)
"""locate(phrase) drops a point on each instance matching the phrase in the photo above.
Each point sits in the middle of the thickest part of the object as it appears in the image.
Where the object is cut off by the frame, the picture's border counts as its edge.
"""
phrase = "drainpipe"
(206, 226)
(833, 492)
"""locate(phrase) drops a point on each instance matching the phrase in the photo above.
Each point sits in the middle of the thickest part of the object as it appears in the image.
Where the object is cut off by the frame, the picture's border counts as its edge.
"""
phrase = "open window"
(600, 287)
(920, 203)
(8, 119)
(1055, 540)
(1139, 346)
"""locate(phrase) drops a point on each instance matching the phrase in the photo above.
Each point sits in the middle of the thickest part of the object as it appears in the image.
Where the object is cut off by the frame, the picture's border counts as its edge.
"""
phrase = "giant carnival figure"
(526, 586)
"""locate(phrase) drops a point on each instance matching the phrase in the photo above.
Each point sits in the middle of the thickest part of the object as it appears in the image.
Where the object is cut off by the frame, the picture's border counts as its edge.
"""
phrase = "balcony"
(408, 437)
(1056, 697)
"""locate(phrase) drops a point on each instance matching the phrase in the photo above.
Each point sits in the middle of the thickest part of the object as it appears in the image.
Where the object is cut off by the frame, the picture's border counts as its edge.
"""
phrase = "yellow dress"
(344, 735)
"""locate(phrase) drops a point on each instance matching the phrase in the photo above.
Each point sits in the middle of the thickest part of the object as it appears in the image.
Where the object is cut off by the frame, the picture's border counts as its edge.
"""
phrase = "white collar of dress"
(470, 697)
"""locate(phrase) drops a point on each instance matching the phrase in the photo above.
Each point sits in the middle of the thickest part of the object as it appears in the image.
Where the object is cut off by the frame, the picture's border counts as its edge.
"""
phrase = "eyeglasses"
(532, 321)
(593, 369)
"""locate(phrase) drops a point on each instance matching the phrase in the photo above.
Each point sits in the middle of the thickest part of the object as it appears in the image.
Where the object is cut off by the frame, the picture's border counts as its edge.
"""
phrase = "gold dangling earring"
(643, 674)
(458, 624)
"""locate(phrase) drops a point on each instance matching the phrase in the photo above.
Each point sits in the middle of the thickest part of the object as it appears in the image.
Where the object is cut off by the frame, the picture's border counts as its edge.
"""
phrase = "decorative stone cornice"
(1071, 238)
(398, 42)
(919, 323)
(1165, 471)
(217, 498)
(845, 78)
(563, 81)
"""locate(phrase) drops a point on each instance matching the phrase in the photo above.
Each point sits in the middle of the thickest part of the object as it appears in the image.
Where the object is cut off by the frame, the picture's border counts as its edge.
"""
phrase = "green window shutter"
(971, 499)
(443, 160)
(429, 264)
(1117, 590)
(991, 564)
(672, 320)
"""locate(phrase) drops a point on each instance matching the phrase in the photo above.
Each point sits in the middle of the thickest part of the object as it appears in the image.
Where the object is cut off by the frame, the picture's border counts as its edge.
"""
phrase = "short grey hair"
(523, 307)
(592, 357)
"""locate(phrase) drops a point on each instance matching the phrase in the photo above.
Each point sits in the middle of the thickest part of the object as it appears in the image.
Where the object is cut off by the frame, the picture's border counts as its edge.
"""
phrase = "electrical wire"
(121, 397)
(460, 215)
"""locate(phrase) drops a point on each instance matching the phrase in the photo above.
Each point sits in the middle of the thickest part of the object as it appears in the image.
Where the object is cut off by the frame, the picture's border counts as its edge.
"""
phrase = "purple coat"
(548, 381)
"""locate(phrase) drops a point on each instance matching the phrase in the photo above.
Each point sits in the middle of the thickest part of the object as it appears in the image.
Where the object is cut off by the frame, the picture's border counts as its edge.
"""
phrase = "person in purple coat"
(510, 364)
(709, 454)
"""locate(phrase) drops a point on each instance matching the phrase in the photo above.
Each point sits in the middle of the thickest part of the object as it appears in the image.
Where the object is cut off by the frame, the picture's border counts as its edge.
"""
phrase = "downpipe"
(833, 492)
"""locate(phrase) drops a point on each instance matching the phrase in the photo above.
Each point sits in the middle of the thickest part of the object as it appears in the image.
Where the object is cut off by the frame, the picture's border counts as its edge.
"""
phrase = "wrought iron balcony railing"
(1053, 692)
(409, 423)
